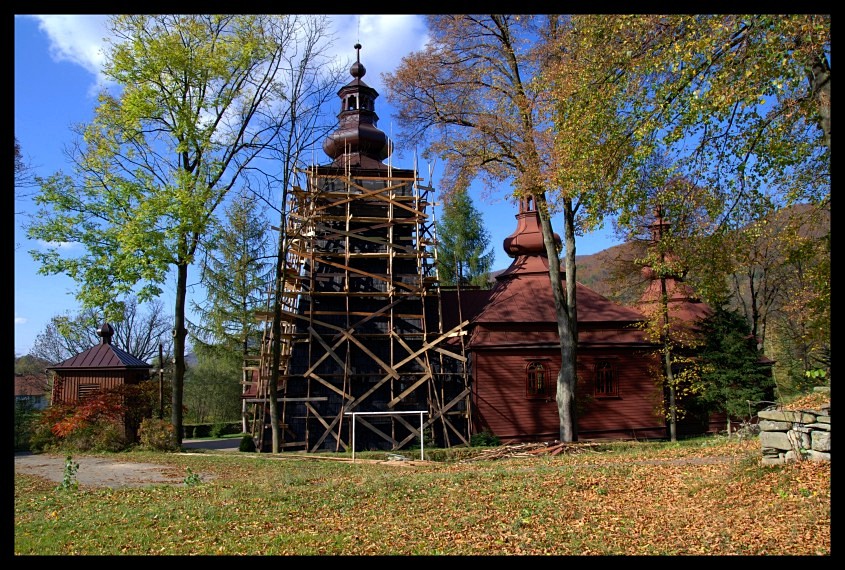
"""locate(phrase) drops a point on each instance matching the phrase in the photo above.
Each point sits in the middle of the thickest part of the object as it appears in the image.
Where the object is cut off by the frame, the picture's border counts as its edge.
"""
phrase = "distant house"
(32, 390)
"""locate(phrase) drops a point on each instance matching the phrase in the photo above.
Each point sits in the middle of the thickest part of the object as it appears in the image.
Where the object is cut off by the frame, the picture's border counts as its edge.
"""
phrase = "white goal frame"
(356, 414)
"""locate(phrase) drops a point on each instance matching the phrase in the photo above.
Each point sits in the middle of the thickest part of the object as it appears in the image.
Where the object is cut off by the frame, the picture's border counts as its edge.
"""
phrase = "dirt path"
(99, 472)
(108, 472)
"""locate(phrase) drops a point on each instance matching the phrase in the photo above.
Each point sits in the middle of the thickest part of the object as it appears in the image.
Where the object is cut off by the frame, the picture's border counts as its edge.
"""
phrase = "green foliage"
(484, 439)
(220, 428)
(247, 444)
(235, 275)
(212, 391)
(192, 479)
(157, 434)
(731, 370)
(31, 365)
(26, 418)
(69, 481)
(463, 256)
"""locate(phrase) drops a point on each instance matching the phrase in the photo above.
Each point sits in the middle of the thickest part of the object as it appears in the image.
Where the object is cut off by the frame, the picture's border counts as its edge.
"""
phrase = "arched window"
(606, 381)
(537, 380)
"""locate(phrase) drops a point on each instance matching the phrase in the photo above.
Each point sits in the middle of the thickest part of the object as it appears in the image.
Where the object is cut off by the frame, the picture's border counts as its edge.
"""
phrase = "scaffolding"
(362, 321)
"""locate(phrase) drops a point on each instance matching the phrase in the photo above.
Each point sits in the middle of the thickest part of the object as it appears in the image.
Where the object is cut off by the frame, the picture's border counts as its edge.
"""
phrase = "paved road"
(227, 444)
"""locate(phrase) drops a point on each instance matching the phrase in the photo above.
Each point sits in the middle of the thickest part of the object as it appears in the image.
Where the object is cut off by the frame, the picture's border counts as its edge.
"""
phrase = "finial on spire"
(357, 46)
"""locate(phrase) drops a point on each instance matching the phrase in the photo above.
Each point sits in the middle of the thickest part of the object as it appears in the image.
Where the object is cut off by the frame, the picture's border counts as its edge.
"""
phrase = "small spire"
(106, 332)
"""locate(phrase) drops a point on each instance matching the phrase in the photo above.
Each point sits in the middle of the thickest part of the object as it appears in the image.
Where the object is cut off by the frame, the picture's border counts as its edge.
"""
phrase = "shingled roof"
(104, 356)
(520, 311)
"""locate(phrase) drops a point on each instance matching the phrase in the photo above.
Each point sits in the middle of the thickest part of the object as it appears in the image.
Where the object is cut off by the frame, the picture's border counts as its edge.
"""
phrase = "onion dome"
(357, 141)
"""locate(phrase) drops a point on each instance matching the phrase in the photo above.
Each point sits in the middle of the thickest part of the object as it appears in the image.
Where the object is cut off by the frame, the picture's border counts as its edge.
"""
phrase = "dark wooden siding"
(635, 412)
(501, 406)
(67, 383)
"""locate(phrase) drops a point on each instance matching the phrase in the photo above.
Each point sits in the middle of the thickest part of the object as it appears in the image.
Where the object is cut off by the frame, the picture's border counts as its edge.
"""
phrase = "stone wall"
(795, 435)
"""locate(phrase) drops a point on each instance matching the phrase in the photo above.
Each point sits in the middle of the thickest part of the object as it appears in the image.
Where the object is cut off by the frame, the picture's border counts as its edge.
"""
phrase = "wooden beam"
(408, 390)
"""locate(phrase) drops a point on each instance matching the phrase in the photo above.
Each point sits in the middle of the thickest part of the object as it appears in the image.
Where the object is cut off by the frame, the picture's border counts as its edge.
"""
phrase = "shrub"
(158, 435)
(247, 443)
(219, 429)
(99, 436)
(25, 421)
(484, 439)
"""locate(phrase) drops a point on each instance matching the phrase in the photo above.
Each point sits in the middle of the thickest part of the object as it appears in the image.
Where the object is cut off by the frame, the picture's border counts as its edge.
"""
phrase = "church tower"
(362, 322)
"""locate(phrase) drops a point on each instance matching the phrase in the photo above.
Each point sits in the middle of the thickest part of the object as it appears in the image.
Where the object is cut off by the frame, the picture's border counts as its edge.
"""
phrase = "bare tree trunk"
(179, 335)
(566, 379)
(667, 361)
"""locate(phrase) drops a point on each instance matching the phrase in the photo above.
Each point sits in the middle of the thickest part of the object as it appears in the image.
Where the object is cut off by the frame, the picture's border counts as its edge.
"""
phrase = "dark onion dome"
(357, 141)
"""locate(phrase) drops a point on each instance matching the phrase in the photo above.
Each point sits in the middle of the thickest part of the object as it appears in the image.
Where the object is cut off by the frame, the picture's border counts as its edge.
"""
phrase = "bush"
(247, 443)
(158, 435)
(100, 436)
(25, 421)
(484, 439)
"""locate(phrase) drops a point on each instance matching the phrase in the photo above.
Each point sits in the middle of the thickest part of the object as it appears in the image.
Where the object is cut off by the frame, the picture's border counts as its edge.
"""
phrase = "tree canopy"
(193, 109)
(463, 256)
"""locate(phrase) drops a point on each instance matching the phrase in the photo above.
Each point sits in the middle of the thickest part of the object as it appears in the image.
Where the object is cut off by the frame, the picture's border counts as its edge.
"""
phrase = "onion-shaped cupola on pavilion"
(525, 245)
(684, 304)
(358, 142)
(527, 238)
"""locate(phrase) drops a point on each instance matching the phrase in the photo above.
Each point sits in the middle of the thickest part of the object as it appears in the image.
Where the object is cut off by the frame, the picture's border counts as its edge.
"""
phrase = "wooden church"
(363, 340)
(377, 355)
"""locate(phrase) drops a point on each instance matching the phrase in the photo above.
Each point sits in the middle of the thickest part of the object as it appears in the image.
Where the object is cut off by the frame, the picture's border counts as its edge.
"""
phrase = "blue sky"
(57, 62)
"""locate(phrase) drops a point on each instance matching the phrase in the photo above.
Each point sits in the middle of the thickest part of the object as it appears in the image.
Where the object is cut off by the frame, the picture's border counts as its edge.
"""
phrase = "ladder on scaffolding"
(257, 369)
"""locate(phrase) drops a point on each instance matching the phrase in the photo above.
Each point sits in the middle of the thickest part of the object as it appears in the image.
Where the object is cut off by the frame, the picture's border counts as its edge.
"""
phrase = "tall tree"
(138, 333)
(193, 111)
(739, 104)
(742, 102)
(463, 256)
(734, 378)
(469, 96)
(235, 273)
(310, 81)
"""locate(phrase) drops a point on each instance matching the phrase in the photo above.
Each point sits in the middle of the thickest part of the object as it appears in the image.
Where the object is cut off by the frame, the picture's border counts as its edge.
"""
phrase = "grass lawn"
(707, 496)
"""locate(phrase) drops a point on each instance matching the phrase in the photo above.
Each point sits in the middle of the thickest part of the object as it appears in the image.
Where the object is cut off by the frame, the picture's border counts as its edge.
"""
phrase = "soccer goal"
(356, 414)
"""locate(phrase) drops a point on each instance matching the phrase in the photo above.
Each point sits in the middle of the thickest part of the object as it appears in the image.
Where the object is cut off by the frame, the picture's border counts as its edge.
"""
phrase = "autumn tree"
(739, 105)
(194, 108)
(469, 97)
(798, 323)
(138, 332)
(463, 256)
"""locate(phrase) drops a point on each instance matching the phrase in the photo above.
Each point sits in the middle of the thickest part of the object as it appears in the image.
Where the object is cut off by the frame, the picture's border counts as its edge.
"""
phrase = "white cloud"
(384, 40)
(20, 320)
(56, 244)
(77, 39)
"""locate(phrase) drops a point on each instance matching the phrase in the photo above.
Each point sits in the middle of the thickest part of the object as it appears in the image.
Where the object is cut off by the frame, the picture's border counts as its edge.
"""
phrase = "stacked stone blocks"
(795, 435)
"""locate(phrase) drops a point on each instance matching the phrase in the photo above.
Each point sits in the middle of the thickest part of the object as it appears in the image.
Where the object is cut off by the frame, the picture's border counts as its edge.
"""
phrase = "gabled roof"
(102, 356)
(523, 294)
